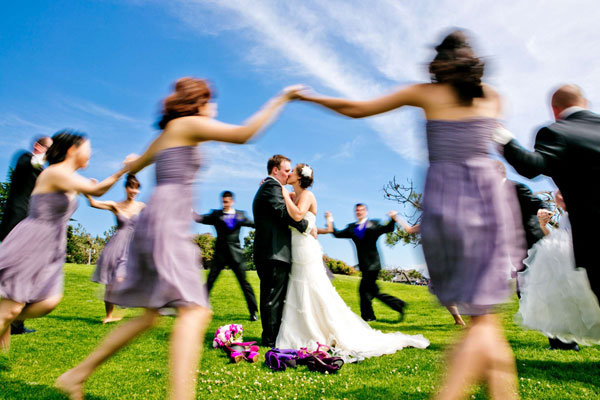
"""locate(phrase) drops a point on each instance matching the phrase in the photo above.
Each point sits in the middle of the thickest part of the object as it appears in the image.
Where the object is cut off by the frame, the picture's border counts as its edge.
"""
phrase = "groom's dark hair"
(226, 193)
(276, 161)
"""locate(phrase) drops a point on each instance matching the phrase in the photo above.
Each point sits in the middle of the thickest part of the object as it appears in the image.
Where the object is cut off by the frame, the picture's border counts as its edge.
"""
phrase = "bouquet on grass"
(228, 334)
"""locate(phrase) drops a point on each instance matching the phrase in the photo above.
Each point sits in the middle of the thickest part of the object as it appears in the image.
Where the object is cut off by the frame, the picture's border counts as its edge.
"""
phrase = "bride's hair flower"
(306, 171)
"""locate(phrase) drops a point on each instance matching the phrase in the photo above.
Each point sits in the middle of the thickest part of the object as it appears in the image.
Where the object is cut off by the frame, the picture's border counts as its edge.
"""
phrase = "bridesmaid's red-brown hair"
(189, 94)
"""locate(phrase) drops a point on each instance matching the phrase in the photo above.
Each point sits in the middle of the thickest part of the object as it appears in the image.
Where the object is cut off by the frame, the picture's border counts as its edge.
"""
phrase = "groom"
(568, 151)
(272, 245)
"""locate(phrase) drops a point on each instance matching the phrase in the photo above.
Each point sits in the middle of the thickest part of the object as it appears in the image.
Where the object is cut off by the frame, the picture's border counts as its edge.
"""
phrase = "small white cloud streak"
(97, 110)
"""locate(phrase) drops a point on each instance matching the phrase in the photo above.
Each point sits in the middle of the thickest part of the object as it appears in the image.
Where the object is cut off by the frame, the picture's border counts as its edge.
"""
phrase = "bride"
(556, 297)
(314, 311)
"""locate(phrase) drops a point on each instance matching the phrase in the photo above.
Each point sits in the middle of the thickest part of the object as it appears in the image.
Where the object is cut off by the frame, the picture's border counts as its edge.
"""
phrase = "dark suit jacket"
(568, 151)
(22, 180)
(530, 204)
(228, 239)
(366, 248)
(272, 239)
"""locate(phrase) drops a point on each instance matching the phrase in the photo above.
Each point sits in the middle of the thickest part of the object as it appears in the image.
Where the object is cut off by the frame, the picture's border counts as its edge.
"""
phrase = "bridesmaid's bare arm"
(408, 96)
(102, 205)
(199, 128)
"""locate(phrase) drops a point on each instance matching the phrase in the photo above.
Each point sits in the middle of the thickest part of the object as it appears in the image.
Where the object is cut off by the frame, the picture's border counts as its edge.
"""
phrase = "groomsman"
(228, 222)
(29, 166)
(568, 151)
(364, 233)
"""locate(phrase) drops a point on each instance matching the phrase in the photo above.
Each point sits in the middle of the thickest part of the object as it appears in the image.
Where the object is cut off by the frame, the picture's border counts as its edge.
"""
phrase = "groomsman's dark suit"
(22, 180)
(272, 254)
(228, 251)
(568, 151)
(365, 239)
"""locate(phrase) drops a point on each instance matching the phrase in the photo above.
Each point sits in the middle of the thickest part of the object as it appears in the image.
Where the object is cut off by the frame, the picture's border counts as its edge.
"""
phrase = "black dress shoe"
(253, 317)
(556, 344)
(370, 319)
(19, 329)
(402, 311)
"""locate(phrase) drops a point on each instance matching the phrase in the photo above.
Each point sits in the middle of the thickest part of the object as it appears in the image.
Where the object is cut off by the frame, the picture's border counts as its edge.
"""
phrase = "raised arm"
(201, 129)
(61, 180)
(548, 149)
(206, 219)
(297, 212)
(414, 229)
(246, 221)
(102, 205)
(390, 225)
(407, 96)
(345, 233)
(329, 229)
(147, 157)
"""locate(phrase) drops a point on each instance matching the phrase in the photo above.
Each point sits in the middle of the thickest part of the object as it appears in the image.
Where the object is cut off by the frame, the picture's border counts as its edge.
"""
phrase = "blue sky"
(103, 66)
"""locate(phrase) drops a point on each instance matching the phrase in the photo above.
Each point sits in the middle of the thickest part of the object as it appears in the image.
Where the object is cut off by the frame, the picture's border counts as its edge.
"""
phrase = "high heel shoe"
(304, 353)
(328, 365)
(235, 353)
(281, 359)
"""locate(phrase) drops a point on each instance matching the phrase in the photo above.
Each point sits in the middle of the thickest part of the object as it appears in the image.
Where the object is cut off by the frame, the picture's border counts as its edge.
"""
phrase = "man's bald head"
(567, 96)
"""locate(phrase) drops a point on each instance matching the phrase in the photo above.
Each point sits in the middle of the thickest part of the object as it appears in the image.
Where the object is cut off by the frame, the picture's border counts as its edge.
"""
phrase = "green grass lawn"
(69, 333)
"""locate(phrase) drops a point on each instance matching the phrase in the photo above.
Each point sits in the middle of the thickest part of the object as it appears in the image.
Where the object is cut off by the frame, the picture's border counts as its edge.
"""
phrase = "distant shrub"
(338, 266)
(206, 242)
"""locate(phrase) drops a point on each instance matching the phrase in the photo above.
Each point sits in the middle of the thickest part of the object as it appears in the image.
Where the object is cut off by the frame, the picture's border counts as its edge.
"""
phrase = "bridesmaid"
(162, 266)
(470, 228)
(110, 267)
(33, 254)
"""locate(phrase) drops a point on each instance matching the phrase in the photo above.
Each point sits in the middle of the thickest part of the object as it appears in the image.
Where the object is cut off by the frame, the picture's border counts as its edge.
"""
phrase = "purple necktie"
(230, 220)
(359, 230)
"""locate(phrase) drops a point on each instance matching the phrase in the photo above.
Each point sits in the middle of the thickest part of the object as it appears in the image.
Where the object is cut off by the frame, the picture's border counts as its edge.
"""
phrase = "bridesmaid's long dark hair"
(455, 63)
(61, 142)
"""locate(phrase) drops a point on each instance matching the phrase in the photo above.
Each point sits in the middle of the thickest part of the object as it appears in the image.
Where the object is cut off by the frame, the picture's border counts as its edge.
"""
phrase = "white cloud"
(362, 49)
(231, 162)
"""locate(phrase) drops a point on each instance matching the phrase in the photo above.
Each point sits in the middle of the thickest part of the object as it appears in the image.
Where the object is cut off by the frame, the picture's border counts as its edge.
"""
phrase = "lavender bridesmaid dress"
(163, 265)
(112, 261)
(471, 230)
(33, 253)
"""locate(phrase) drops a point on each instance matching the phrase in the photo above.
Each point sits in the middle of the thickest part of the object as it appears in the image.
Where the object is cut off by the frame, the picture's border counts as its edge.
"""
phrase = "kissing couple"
(298, 304)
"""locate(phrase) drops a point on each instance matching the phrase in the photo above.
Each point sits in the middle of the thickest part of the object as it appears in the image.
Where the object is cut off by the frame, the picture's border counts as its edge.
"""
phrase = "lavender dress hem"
(33, 254)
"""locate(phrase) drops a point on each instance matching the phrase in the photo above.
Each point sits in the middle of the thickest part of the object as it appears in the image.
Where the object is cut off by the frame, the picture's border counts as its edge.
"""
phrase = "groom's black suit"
(369, 264)
(228, 251)
(272, 254)
(568, 151)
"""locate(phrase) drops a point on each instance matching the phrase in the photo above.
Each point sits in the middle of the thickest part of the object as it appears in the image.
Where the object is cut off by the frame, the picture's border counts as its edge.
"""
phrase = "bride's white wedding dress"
(315, 312)
(556, 297)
